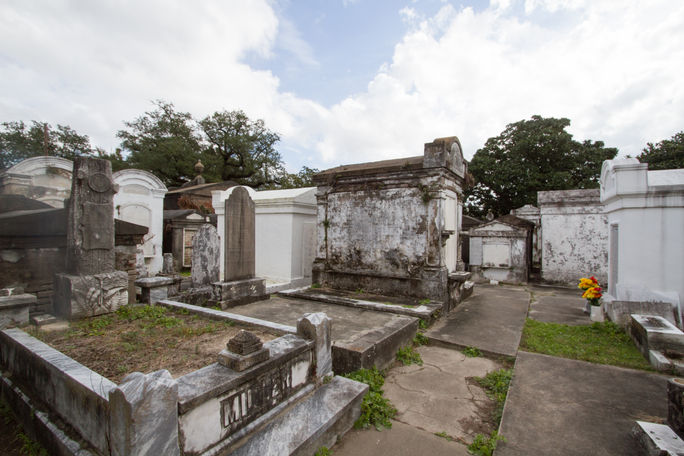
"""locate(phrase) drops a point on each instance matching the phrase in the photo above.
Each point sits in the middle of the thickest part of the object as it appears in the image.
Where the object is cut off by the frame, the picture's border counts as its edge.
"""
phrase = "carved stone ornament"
(99, 182)
(244, 343)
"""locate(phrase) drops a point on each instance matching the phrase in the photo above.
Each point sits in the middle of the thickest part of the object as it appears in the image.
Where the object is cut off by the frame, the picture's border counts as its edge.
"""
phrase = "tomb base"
(78, 296)
(154, 289)
(238, 292)
(14, 309)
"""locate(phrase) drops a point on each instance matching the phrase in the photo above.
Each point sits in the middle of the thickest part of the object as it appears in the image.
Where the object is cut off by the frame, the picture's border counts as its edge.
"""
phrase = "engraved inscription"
(250, 401)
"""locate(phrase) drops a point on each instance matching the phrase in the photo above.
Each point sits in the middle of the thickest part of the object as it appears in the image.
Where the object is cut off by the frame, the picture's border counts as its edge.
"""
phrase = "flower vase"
(597, 313)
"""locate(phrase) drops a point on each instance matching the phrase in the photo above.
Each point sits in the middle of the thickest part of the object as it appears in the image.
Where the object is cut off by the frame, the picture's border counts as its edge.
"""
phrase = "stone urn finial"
(243, 351)
(199, 167)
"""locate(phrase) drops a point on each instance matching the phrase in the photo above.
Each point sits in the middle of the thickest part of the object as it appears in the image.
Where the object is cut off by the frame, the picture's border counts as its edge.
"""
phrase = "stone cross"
(205, 256)
(240, 250)
(90, 226)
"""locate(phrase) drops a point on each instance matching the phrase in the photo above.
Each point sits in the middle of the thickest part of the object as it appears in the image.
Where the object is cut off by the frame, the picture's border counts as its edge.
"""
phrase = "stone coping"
(425, 311)
(88, 379)
(21, 300)
(221, 315)
(152, 282)
(213, 380)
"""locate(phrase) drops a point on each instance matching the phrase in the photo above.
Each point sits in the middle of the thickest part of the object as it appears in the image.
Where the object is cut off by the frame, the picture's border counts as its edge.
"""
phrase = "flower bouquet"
(592, 293)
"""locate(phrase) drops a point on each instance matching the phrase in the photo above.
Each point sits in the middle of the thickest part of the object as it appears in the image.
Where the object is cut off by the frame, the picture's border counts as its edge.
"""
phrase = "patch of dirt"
(144, 339)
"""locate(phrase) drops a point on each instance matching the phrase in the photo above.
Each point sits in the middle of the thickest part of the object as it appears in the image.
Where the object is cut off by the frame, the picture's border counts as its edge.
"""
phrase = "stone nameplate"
(257, 397)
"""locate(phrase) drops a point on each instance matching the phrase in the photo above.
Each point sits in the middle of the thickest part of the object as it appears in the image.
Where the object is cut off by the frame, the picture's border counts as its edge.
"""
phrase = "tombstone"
(168, 268)
(205, 256)
(240, 285)
(90, 286)
(240, 251)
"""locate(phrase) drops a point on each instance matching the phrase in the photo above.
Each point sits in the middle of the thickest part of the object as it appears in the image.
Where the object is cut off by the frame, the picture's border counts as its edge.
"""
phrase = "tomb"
(281, 400)
(391, 227)
(46, 179)
(180, 226)
(574, 236)
(501, 249)
(140, 200)
(645, 211)
(91, 285)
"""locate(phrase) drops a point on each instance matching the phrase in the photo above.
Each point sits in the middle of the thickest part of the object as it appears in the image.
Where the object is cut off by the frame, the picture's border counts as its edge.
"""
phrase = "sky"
(349, 81)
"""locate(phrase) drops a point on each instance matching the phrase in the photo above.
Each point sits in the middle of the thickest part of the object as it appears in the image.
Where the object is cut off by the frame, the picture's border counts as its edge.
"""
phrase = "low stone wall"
(77, 394)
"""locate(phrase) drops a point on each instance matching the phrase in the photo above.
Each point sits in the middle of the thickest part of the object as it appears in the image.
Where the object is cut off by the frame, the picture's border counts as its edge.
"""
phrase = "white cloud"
(615, 72)
(92, 65)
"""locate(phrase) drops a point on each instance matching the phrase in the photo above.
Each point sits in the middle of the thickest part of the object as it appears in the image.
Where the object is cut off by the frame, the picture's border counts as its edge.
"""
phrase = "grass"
(376, 410)
(601, 343)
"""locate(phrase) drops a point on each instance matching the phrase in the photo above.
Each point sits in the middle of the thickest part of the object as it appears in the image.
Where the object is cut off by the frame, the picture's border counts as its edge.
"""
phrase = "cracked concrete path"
(563, 407)
(491, 320)
(436, 397)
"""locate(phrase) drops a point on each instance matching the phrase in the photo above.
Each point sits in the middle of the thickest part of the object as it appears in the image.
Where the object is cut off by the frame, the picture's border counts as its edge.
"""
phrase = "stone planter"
(596, 313)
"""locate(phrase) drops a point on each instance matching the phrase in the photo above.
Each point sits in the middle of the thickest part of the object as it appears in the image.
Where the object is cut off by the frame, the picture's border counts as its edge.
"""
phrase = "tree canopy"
(529, 156)
(231, 146)
(19, 141)
(667, 154)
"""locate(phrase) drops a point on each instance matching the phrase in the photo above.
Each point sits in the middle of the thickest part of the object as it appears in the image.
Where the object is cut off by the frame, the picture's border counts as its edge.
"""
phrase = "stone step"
(315, 421)
(657, 439)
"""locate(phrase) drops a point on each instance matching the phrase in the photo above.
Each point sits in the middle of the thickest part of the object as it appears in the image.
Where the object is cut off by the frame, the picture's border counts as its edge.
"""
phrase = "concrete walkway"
(557, 305)
(491, 320)
(562, 407)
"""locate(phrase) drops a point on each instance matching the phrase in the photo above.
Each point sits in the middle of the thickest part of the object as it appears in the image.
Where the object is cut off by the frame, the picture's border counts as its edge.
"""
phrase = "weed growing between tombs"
(13, 440)
(408, 355)
(376, 410)
(472, 352)
(143, 339)
(420, 339)
(601, 343)
(496, 385)
(485, 446)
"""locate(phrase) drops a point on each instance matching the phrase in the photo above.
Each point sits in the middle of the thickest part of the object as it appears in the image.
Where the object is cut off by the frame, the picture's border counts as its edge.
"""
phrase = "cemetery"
(133, 326)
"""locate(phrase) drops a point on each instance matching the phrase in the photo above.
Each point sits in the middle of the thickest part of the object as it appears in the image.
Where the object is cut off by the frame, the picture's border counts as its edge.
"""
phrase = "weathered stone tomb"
(391, 227)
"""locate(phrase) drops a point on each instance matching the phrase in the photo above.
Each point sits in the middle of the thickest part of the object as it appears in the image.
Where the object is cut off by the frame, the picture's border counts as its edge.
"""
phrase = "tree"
(168, 143)
(529, 156)
(242, 149)
(667, 154)
(164, 142)
(18, 142)
(304, 178)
